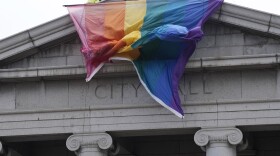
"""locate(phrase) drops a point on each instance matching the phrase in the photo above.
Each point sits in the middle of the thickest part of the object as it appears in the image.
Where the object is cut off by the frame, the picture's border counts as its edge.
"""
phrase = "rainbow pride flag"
(157, 36)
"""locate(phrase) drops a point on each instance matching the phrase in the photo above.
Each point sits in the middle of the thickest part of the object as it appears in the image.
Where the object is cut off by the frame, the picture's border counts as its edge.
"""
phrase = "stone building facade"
(230, 94)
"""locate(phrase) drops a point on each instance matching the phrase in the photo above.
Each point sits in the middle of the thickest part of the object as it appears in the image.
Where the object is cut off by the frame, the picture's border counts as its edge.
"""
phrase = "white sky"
(19, 15)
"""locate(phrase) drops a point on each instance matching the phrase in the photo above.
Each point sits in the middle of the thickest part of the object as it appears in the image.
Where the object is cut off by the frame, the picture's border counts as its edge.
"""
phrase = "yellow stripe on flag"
(133, 23)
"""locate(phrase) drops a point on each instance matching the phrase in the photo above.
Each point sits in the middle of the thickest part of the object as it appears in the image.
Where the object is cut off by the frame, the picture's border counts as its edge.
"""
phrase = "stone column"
(219, 141)
(95, 144)
(1, 148)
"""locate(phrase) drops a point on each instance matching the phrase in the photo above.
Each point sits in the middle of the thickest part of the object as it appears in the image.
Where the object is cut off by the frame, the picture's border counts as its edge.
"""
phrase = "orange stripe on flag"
(114, 20)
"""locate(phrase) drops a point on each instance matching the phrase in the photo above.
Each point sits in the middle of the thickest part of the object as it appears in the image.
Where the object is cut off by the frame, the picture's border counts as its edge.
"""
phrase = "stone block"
(52, 61)
(224, 85)
(273, 49)
(273, 41)
(275, 25)
(254, 50)
(259, 84)
(75, 60)
(32, 62)
(218, 52)
(209, 28)
(51, 52)
(229, 40)
(24, 63)
(60, 50)
(40, 62)
(75, 40)
(225, 29)
(262, 49)
(77, 93)
(207, 41)
(71, 49)
(90, 92)
(182, 89)
(56, 94)
(105, 91)
(213, 86)
(193, 85)
(251, 39)
(7, 96)
(28, 95)
(18, 64)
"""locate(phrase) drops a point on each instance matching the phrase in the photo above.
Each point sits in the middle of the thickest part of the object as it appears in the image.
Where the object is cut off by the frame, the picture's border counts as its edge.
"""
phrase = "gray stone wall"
(194, 87)
(217, 98)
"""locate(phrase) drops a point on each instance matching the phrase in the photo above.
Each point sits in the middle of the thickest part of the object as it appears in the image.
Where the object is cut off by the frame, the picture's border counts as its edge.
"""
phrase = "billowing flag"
(94, 1)
(157, 36)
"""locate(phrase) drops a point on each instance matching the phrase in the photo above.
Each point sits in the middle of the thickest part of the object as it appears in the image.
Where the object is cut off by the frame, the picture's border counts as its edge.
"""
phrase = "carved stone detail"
(102, 140)
(223, 135)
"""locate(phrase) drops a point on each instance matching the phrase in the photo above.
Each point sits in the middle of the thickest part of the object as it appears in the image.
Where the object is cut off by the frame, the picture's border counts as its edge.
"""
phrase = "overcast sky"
(19, 15)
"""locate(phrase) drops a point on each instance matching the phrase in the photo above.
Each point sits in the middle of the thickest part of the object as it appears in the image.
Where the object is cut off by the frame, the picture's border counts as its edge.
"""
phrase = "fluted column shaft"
(219, 141)
(95, 144)
(91, 151)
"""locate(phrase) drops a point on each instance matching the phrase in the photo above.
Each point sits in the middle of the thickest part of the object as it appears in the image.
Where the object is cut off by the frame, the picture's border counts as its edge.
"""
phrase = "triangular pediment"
(220, 41)
(234, 36)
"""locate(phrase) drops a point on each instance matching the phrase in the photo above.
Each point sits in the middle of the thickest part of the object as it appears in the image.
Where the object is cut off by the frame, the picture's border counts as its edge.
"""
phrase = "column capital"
(204, 137)
(101, 140)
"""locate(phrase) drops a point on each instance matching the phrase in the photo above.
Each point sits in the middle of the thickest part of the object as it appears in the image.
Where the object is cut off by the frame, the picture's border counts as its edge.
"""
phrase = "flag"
(157, 36)
(94, 1)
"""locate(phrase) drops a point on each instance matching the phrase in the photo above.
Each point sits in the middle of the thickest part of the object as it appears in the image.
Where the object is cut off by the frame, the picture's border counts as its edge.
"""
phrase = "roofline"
(30, 41)
(249, 18)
